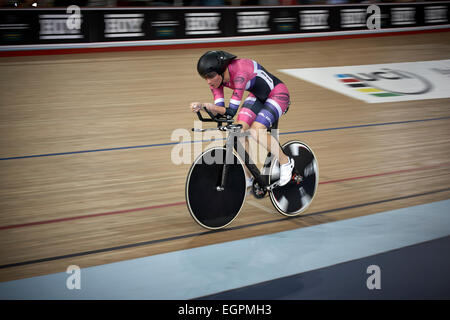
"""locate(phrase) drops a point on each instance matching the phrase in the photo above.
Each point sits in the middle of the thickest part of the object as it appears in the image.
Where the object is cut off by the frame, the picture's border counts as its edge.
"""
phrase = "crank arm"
(296, 178)
(272, 186)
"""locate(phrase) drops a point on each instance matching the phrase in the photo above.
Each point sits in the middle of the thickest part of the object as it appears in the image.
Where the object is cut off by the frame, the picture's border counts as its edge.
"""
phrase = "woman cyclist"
(267, 101)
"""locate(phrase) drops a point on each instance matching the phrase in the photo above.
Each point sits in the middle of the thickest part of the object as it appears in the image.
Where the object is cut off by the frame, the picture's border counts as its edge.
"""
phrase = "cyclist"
(267, 101)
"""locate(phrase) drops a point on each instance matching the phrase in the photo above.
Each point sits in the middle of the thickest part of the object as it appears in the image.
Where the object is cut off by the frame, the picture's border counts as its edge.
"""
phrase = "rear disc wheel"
(295, 197)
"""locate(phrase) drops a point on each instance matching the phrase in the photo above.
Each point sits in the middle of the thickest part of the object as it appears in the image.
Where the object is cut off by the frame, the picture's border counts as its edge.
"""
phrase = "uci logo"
(386, 82)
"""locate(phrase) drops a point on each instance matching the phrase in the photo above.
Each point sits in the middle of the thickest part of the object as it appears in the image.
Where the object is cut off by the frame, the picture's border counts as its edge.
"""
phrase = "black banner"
(87, 25)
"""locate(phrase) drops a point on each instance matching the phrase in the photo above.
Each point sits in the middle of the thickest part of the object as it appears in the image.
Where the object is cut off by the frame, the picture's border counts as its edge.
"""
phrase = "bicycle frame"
(235, 132)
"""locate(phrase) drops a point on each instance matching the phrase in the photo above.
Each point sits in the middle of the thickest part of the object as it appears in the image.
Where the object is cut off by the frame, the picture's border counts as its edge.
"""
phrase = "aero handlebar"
(219, 119)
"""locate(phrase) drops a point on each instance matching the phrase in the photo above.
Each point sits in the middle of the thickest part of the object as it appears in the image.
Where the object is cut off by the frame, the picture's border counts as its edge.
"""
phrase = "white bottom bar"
(113, 44)
(62, 37)
(124, 35)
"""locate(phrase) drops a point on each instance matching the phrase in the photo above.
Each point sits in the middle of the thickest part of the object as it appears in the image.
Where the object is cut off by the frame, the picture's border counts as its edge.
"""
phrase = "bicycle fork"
(231, 144)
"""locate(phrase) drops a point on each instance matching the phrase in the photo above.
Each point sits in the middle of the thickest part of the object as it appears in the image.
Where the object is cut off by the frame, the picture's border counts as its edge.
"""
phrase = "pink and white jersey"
(245, 75)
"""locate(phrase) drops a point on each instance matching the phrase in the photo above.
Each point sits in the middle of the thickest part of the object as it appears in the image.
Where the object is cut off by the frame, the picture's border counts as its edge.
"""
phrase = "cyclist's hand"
(196, 106)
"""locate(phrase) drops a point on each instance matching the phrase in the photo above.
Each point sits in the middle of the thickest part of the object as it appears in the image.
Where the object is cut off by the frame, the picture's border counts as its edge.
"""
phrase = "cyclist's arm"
(238, 92)
(215, 109)
(219, 101)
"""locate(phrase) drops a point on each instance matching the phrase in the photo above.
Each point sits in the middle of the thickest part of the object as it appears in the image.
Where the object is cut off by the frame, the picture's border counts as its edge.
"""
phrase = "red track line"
(91, 215)
(14, 226)
(388, 173)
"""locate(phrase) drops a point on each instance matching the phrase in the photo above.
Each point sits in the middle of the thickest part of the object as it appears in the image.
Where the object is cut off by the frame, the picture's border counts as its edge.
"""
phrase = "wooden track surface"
(108, 199)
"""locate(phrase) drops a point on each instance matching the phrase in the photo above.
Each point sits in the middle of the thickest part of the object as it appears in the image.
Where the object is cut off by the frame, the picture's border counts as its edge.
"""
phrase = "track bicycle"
(216, 183)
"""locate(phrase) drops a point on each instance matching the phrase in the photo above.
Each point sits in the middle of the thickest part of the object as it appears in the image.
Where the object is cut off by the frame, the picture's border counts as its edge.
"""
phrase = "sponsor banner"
(75, 24)
(312, 19)
(405, 16)
(379, 83)
(60, 27)
(113, 25)
(123, 25)
(251, 22)
(436, 14)
(203, 23)
(22, 26)
(353, 18)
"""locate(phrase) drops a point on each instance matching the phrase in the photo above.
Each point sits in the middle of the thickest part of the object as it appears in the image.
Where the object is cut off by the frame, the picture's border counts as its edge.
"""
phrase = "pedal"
(296, 178)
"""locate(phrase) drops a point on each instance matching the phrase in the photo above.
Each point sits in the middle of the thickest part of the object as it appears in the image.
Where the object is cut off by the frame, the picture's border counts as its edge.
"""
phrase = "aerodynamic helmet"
(214, 61)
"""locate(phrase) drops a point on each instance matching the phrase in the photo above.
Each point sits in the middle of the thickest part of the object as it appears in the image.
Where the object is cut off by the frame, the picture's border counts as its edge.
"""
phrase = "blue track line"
(367, 125)
(196, 141)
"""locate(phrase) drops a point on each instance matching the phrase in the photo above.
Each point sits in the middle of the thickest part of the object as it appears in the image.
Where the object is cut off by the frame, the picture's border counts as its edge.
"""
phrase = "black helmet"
(214, 61)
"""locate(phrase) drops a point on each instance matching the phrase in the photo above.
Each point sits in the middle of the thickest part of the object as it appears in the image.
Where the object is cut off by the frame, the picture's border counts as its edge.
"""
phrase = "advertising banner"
(82, 25)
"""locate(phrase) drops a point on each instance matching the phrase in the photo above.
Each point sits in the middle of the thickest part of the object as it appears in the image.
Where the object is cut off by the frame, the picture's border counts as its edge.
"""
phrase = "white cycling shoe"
(286, 172)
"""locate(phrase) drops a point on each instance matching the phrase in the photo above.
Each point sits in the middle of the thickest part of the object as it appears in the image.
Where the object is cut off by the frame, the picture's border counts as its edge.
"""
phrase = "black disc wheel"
(295, 197)
(210, 205)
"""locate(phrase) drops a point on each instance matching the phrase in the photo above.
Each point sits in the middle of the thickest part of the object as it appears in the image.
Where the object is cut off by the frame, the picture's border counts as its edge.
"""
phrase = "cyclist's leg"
(246, 116)
(249, 110)
(274, 107)
(265, 139)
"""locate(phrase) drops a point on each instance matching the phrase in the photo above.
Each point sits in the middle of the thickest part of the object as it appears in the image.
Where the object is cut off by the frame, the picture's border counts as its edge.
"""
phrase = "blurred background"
(145, 3)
